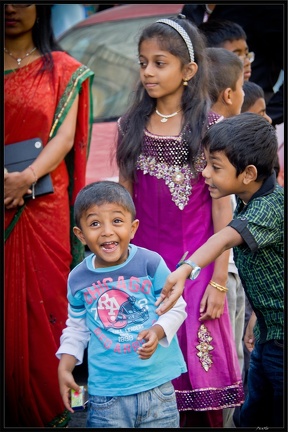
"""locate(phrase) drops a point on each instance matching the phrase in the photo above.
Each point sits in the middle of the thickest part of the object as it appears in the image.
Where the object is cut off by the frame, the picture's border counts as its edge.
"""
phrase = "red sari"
(37, 252)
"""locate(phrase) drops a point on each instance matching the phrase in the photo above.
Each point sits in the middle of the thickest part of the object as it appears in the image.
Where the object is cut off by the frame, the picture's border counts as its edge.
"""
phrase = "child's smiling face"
(220, 175)
(107, 230)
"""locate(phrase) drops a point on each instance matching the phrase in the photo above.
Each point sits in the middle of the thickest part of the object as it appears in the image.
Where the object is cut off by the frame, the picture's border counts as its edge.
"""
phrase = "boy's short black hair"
(217, 32)
(225, 69)
(253, 92)
(246, 139)
(102, 192)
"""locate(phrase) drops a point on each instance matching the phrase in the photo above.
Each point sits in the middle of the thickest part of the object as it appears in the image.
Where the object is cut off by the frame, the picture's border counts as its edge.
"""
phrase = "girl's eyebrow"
(154, 55)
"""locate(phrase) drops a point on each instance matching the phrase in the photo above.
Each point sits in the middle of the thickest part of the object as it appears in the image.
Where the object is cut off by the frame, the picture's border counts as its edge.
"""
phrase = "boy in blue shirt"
(241, 152)
(112, 296)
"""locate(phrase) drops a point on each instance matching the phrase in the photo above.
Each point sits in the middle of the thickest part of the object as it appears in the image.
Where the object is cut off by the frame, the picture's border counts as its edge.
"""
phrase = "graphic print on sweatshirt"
(118, 302)
(117, 309)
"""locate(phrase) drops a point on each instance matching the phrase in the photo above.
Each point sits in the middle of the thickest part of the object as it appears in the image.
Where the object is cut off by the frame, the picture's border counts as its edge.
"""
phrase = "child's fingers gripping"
(143, 335)
(66, 400)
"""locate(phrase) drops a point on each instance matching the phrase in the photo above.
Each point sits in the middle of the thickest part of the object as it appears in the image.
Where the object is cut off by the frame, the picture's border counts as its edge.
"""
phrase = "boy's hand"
(66, 379)
(150, 346)
(172, 289)
(66, 383)
(249, 338)
(249, 341)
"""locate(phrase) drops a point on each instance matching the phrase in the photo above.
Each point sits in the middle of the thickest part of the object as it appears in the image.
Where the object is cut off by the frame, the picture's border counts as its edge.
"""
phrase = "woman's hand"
(16, 185)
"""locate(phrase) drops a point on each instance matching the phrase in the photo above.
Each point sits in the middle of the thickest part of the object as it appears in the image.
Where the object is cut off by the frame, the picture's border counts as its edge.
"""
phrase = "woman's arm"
(17, 184)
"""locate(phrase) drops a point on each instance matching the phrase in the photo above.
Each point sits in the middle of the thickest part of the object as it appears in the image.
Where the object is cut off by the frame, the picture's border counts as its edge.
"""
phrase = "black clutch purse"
(20, 155)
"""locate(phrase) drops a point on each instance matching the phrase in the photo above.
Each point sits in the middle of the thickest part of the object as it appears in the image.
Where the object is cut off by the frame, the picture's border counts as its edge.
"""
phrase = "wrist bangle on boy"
(217, 286)
(195, 268)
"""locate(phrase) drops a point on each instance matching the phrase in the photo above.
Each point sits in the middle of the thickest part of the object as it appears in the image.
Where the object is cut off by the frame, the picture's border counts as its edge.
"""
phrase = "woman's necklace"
(19, 60)
(165, 117)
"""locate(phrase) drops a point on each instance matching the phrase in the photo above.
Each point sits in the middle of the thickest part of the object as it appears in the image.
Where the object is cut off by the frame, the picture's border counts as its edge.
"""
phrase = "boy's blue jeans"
(263, 406)
(155, 408)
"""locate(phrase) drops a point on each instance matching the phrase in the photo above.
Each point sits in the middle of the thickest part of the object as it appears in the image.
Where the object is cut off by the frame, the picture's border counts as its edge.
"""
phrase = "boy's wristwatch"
(195, 268)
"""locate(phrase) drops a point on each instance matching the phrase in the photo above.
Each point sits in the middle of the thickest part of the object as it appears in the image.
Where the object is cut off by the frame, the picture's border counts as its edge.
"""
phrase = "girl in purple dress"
(160, 162)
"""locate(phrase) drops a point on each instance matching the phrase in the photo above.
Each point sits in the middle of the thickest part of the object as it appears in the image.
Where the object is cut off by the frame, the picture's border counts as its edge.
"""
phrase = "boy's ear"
(226, 95)
(189, 71)
(78, 233)
(134, 227)
(250, 174)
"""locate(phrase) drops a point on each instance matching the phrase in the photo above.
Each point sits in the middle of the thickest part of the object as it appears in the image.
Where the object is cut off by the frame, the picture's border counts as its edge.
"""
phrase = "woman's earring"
(185, 82)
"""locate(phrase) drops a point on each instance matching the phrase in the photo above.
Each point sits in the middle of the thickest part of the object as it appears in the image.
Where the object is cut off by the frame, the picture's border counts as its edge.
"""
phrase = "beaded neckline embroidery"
(165, 157)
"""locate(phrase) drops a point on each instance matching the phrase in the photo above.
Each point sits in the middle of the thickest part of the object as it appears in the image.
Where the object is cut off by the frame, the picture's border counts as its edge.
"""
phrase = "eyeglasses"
(249, 55)
(19, 5)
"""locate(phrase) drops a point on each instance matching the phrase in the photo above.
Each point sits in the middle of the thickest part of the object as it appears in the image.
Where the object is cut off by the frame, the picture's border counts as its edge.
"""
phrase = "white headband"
(182, 33)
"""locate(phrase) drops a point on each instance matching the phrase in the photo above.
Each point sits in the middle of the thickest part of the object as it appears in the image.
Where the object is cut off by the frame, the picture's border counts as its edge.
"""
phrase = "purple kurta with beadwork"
(174, 209)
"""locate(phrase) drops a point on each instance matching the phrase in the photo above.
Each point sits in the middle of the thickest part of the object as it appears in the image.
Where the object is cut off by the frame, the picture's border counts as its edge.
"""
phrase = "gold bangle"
(217, 286)
(34, 173)
(35, 181)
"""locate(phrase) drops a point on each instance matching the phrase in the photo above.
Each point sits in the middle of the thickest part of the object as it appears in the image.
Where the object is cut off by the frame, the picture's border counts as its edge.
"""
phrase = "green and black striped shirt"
(260, 259)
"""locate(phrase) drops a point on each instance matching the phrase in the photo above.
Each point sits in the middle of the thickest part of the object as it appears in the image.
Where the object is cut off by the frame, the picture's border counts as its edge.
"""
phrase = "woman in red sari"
(47, 94)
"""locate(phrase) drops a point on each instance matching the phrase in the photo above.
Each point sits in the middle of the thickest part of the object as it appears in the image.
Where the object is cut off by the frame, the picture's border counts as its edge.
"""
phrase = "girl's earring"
(185, 83)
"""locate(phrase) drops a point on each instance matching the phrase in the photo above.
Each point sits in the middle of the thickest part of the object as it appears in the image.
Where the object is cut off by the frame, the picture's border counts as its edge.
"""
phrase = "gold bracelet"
(35, 181)
(34, 173)
(217, 286)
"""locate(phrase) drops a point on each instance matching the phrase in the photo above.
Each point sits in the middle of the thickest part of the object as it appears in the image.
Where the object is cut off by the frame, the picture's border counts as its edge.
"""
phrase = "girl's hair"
(99, 193)
(246, 139)
(253, 92)
(195, 101)
(43, 36)
(225, 69)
